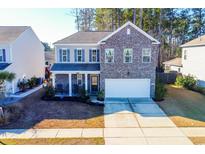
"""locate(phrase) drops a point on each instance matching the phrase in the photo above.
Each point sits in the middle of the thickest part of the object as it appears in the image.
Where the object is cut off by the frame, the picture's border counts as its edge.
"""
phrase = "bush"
(160, 91)
(49, 92)
(11, 113)
(22, 85)
(189, 82)
(101, 95)
(83, 94)
(179, 81)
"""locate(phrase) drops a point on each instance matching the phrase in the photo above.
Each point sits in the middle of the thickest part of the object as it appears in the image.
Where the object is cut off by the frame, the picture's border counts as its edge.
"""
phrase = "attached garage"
(127, 88)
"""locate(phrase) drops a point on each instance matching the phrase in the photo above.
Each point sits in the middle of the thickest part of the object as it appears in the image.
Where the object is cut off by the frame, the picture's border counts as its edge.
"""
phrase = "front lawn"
(36, 113)
(184, 107)
(53, 141)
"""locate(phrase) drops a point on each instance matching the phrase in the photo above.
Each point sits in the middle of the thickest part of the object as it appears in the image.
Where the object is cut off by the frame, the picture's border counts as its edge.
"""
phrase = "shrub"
(189, 82)
(101, 95)
(160, 91)
(83, 94)
(179, 81)
(49, 92)
(22, 85)
(12, 113)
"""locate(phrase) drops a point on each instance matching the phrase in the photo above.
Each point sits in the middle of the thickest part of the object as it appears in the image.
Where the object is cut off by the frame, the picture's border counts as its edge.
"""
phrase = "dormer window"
(128, 31)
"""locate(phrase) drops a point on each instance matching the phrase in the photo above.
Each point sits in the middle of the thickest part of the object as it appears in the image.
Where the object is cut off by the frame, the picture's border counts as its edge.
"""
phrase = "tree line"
(171, 26)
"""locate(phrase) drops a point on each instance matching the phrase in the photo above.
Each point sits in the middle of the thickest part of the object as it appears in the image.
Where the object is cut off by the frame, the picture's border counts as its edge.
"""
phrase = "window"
(109, 55)
(2, 55)
(128, 31)
(94, 55)
(146, 55)
(128, 55)
(64, 55)
(79, 55)
(185, 54)
(79, 79)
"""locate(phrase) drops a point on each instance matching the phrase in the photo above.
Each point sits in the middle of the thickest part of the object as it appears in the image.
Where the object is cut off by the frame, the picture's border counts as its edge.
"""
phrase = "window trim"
(185, 55)
(81, 49)
(67, 60)
(131, 56)
(112, 49)
(2, 55)
(96, 55)
(150, 56)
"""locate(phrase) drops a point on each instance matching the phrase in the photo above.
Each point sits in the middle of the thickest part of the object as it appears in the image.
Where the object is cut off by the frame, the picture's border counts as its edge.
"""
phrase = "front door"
(94, 84)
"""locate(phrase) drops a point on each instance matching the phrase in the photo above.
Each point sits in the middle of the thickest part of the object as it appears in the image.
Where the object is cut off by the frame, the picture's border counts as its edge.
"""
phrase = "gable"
(154, 41)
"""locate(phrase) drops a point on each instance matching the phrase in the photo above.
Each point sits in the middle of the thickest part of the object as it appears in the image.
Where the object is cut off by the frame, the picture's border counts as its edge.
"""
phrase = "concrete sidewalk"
(51, 133)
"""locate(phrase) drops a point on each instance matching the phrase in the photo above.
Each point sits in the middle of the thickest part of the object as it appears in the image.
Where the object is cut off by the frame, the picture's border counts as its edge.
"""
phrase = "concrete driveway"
(139, 121)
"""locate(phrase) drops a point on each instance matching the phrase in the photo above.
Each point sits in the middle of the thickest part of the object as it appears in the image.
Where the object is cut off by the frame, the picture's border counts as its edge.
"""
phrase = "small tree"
(5, 76)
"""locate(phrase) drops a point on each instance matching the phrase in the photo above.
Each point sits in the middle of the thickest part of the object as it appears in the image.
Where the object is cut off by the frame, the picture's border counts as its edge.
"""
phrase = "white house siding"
(27, 57)
(175, 68)
(71, 48)
(194, 64)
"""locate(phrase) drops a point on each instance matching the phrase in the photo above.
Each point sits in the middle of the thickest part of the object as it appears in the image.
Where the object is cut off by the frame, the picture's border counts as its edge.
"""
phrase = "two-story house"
(22, 53)
(122, 63)
(193, 53)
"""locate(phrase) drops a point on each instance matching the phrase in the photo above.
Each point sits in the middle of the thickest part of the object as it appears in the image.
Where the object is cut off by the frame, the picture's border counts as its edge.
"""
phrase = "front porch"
(70, 83)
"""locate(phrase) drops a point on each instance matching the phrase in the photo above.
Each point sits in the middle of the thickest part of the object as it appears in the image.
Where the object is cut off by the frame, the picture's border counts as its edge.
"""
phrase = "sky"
(50, 25)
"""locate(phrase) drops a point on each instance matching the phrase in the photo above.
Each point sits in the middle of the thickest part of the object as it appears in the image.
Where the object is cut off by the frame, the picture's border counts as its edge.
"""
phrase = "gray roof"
(84, 37)
(75, 67)
(4, 65)
(9, 34)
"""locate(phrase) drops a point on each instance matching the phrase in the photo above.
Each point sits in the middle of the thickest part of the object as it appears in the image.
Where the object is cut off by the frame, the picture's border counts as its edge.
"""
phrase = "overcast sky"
(50, 25)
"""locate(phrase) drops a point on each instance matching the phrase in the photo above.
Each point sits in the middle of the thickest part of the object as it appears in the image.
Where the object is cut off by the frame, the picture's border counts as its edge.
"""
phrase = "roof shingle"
(10, 33)
(174, 62)
(195, 42)
(84, 37)
(75, 67)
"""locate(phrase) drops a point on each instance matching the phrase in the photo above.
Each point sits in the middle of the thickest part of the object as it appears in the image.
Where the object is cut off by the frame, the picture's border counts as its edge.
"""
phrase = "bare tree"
(141, 17)
(134, 15)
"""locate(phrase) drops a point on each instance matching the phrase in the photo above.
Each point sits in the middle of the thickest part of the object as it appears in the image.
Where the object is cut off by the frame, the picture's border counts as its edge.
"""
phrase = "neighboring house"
(193, 62)
(22, 53)
(173, 65)
(123, 62)
(49, 58)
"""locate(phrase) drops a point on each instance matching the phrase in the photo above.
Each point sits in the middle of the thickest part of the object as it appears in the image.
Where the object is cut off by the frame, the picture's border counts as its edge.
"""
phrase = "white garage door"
(127, 87)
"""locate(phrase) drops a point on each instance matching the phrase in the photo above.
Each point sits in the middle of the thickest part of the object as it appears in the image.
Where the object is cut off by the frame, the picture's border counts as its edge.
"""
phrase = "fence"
(168, 78)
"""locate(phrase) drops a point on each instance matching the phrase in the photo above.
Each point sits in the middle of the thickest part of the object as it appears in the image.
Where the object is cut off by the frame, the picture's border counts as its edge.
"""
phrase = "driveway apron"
(139, 121)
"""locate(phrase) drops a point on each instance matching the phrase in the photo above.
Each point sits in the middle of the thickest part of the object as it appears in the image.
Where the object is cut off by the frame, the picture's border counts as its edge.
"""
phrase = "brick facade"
(136, 69)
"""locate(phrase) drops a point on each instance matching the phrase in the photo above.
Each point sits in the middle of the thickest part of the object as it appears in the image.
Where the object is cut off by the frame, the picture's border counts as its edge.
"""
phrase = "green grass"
(53, 141)
(184, 107)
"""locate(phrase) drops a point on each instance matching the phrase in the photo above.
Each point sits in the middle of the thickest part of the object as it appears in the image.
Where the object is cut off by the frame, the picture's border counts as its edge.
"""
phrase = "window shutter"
(4, 55)
(90, 55)
(68, 55)
(75, 54)
(60, 55)
(98, 55)
(83, 55)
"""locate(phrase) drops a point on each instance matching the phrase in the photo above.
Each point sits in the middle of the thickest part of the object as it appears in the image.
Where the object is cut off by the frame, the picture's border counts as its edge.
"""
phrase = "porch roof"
(75, 67)
(4, 65)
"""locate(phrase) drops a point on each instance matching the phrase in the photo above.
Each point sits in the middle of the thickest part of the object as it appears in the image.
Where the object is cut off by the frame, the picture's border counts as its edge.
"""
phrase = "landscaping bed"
(54, 141)
(37, 113)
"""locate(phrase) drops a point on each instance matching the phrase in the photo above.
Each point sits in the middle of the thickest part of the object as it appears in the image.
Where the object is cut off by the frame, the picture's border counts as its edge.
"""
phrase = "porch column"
(86, 81)
(53, 80)
(70, 84)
